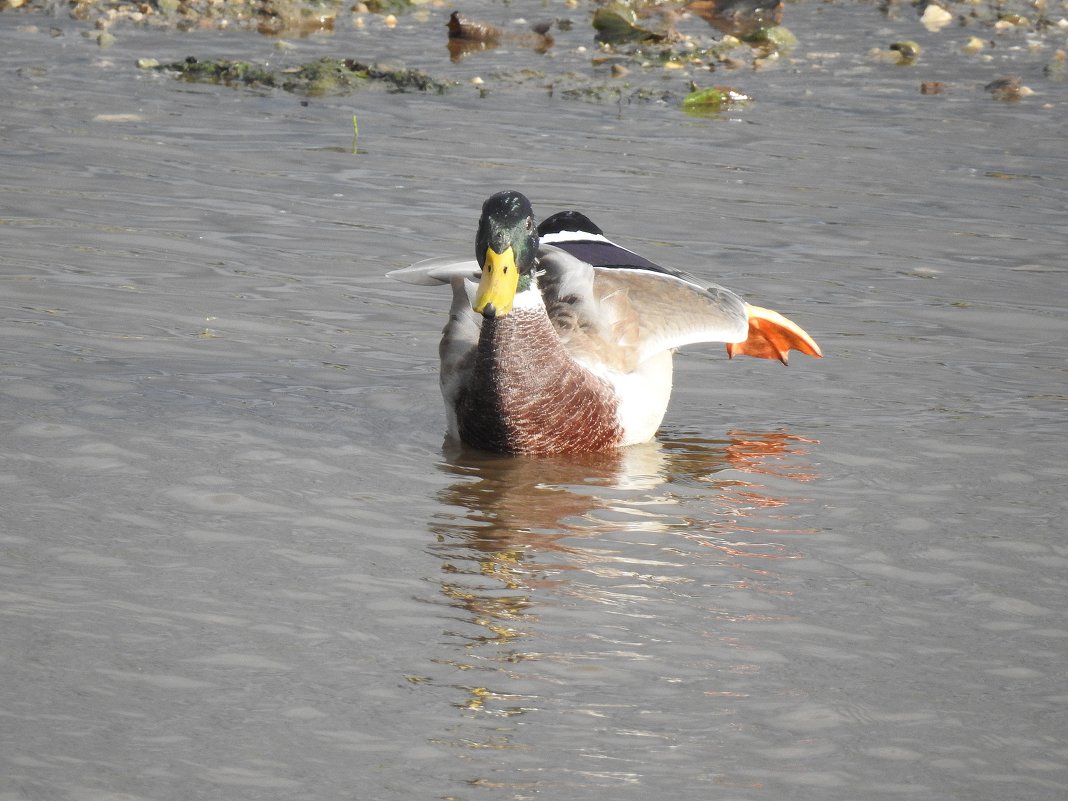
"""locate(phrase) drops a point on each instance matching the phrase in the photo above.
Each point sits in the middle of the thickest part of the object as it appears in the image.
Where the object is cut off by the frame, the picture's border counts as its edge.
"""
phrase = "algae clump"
(326, 76)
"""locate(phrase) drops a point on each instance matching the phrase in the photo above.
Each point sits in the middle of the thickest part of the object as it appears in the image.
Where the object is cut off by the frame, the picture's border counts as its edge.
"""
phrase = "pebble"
(935, 18)
(1008, 89)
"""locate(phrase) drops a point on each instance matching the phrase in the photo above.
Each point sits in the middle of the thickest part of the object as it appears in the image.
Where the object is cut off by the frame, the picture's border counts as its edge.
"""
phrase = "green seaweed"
(403, 79)
(774, 37)
(388, 6)
(908, 50)
(226, 72)
(711, 100)
(327, 76)
(618, 24)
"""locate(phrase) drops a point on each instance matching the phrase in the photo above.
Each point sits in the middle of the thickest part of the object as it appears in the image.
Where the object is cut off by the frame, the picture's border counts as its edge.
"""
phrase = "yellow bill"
(500, 277)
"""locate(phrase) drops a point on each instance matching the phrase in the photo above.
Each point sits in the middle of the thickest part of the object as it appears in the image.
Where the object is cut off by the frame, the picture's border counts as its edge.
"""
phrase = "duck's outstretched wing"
(621, 317)
(576, 233)
(673, 308)
(432, 272)
(459, 340)
(460, 336)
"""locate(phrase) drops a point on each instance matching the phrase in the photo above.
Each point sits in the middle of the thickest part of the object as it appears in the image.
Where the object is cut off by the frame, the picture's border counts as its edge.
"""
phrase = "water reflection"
(516, 533)
(741, 18)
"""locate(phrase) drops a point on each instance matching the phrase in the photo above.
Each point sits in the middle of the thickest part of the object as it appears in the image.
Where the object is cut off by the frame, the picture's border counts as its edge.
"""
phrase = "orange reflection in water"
(514, 531)
(503, 510)
(504, 517)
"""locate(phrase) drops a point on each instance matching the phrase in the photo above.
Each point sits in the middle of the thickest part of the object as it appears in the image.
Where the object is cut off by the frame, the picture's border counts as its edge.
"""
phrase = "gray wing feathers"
(622, 317)
(433, 272)
(672, 313)
(459, 338)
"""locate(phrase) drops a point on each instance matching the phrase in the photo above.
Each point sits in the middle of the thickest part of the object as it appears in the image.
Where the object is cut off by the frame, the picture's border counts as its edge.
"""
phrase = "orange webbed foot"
(772, 336)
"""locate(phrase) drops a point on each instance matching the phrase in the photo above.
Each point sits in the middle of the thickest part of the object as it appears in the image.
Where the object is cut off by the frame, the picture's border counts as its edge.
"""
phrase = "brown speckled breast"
(527, 396)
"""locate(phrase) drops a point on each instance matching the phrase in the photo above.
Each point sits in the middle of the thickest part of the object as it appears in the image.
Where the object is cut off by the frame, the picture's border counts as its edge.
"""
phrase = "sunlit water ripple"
(238, 562)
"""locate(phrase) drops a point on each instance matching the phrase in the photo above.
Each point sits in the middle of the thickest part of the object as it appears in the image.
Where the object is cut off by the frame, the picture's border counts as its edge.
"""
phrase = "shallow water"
(237, 561)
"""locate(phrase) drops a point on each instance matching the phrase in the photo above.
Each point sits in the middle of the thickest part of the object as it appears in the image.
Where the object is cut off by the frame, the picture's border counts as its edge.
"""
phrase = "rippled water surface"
(237, 562)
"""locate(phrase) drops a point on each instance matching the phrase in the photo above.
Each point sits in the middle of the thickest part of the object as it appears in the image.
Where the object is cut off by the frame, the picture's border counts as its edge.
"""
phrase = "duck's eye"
(530, 224)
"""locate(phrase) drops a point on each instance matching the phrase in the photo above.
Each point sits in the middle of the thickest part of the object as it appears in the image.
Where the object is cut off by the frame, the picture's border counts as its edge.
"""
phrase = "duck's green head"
(505, 247)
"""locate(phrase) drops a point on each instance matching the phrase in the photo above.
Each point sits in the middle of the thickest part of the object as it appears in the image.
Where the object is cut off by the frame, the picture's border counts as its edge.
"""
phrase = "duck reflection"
(511, 527)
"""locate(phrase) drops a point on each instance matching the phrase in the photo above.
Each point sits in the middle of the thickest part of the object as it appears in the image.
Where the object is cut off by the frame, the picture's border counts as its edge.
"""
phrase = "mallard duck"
(561, 341)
